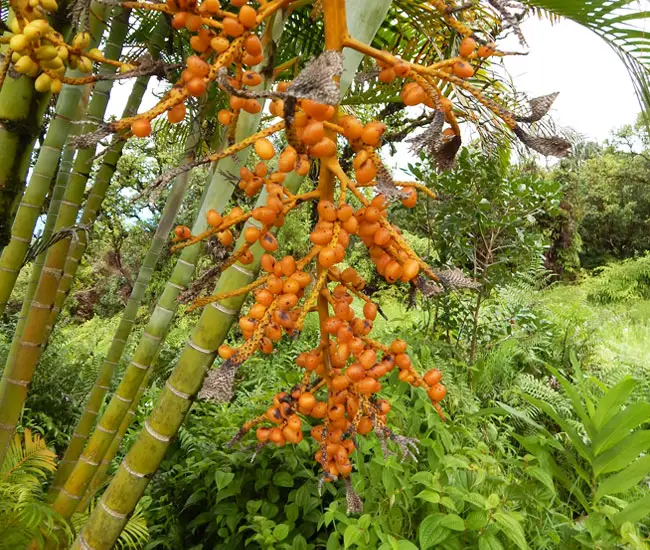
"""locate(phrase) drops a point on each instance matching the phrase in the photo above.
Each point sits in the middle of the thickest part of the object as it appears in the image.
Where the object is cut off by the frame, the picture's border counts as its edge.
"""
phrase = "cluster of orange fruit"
(213, 31)
(343, 374)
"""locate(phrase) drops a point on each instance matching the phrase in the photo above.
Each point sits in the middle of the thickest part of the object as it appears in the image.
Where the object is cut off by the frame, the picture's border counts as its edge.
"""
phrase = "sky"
(596, 93)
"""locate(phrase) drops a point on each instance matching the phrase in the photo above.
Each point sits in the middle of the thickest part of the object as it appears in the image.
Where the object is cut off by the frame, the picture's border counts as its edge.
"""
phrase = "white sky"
(596, 93)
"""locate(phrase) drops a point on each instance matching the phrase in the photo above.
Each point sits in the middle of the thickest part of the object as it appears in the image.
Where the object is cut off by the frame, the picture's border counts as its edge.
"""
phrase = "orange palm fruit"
(264, 149)
(141, 127)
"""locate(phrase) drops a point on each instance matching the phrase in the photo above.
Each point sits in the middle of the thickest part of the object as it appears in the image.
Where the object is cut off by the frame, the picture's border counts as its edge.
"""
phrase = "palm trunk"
(45, 168)
(103, 180)
(79, 475)
(55, 201)
(21, 114)
(108, 519)
(18, 375)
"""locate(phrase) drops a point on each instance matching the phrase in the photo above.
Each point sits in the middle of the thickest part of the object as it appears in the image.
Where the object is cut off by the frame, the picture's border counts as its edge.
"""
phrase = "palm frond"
(620, 23)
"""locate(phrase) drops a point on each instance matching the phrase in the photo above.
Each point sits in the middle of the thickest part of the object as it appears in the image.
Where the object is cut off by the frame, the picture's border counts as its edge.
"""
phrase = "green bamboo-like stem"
(18, 375)
(103, 178)
(218, 194)
(82, 472)
(100, 475)
(44, 170)
(127, 321)
(21, 113)
(109, 517)
(55, 201)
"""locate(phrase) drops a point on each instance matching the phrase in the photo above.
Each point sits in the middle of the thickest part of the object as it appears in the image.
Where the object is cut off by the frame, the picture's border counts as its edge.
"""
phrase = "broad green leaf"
(488, 541)
(619, 426)
(543, 476)
(477, 500)
(281, 531)
(430, 533)
(511, 528)
(634, 512)
(351, 535)
(299, 543)
(447, 502)
(406, 545)
(623, 454)
(292, 511)
(223, 479)
(625, 479)
(283, 479)
(429, 496)
(612, 401)
(477, 520)
(453, 522)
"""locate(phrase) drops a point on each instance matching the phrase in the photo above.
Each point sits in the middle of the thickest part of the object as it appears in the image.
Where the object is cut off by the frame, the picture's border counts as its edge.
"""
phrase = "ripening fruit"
(402, 69)
(372, 133)
(197, 66)
(437, 392)
(179, 20)
(467, 47)
(370, 311)
(386, 75)
(196, 87)
(248, 16)
(141, 127)
(263, 434)
(264, 149)
(432, 377)
(317, 111)
(251, 78)
(225, 237)
(463, 69)
(232, 27)
(323, 149)
(487, 50)
(225, 117)
(368, 385)
(182, 232)
(43, 83)
(176, 113)
(352, 128)
(287, 160)
(252, 45)
(411, 197)
(313, 133)
(219, 44)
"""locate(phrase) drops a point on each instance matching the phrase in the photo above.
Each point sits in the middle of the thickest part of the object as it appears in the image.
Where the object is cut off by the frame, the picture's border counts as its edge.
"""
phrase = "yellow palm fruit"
(85, 65)
(14, 27)
(43, 83)
(19, 42)
(62, 52)
(15, 56)
(33, 31)
(56, 86)
(73, 61)
(43, 26)
(96, 52)
(25, 65)
(49, 5)
(125, 68)
(33, 3)
(46, 52)
(55, 63)
(81, 40)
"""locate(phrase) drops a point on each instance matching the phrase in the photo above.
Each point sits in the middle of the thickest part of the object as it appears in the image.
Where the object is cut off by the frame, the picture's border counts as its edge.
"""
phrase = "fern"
(24, 517)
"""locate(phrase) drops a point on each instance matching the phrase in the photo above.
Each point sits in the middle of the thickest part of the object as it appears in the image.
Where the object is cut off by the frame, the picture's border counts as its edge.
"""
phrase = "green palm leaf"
(620, 23)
